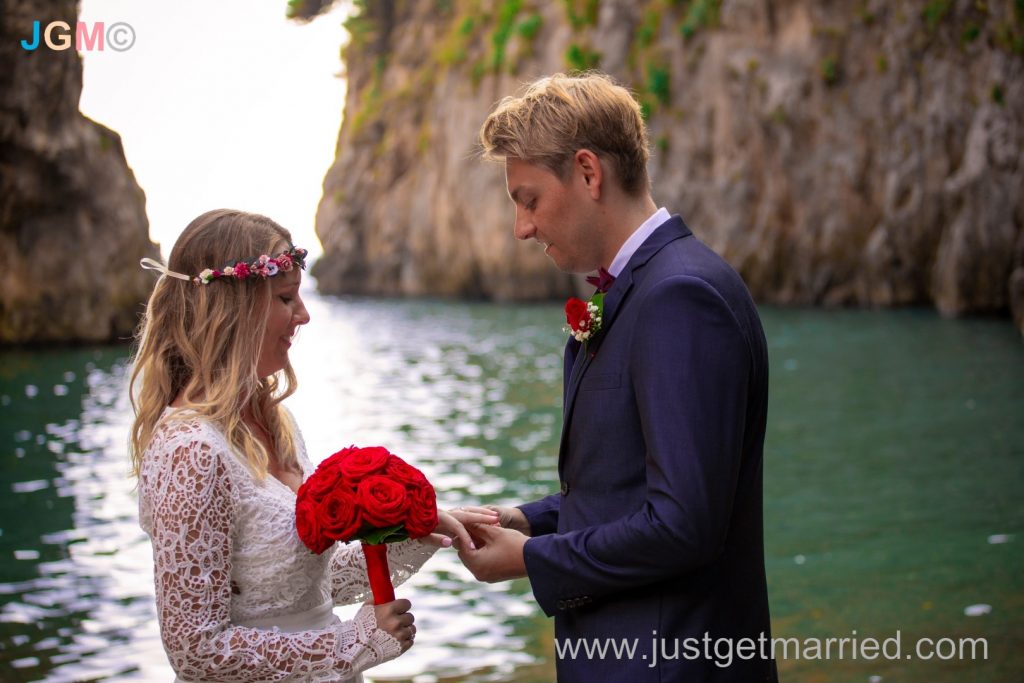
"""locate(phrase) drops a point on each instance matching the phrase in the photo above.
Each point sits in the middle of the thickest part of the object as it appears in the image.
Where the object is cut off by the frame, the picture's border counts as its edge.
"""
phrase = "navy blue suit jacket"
(657, 530)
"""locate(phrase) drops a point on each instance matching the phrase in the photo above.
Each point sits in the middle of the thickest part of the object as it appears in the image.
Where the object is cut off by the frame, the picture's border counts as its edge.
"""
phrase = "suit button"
(565, 488)
(561, 604)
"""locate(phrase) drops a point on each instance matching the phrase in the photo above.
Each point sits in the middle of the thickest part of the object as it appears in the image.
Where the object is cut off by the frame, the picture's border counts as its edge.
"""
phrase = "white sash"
(311, 620)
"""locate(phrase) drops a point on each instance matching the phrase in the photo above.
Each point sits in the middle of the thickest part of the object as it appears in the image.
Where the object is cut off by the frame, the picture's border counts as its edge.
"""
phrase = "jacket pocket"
(605, 380)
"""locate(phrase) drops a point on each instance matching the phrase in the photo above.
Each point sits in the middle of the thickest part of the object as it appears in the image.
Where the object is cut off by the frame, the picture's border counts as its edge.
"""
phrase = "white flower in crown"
(271, 268)
(229, 271)
(206, 276)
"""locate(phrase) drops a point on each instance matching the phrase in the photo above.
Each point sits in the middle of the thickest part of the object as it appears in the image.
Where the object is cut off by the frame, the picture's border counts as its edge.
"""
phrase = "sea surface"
(894, 480)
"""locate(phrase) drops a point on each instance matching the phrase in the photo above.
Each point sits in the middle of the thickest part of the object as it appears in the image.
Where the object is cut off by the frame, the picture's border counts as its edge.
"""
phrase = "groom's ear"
(591, 173)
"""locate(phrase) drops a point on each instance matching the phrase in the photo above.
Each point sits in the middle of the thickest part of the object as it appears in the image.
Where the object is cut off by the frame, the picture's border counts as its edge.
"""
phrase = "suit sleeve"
(691, 365)
(542, 515)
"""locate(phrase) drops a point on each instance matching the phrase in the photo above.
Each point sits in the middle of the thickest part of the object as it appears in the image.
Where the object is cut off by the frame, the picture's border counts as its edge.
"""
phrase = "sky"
(220, 104)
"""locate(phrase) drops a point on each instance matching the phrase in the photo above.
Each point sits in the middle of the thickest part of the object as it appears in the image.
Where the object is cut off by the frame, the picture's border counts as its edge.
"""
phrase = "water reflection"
(72, 597)
(894, 458)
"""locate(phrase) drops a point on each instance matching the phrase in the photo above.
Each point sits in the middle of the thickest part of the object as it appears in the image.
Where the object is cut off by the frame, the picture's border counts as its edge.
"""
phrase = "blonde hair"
(202, 342)
(558, 115)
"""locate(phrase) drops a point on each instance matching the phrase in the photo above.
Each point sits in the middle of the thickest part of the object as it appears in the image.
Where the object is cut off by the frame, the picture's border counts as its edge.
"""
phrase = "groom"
(655, 537)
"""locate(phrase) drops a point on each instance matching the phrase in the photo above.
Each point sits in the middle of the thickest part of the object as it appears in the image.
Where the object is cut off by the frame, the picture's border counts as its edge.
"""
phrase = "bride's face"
(286, 314)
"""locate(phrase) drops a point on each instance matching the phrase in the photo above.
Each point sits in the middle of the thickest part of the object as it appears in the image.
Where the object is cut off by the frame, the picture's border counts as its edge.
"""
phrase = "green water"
(893, 480)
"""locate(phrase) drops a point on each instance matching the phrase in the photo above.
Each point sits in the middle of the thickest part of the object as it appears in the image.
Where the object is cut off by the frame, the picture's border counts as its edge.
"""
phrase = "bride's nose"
(301, 315)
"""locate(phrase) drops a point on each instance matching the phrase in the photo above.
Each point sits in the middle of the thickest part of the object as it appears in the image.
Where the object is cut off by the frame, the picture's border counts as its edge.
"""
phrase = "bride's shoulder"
(177, 424)
(180, 432)
(186, 459)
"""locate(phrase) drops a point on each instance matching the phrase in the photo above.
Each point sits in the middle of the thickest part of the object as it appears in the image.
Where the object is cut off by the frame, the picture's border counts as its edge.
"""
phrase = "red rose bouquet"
(370, 495)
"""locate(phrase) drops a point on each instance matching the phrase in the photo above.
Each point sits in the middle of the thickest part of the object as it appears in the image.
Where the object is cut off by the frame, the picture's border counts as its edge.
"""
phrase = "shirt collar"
(634, 241)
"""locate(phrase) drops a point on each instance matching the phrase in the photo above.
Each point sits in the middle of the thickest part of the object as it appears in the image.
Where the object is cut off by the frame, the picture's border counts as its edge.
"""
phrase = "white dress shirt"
(638, 237)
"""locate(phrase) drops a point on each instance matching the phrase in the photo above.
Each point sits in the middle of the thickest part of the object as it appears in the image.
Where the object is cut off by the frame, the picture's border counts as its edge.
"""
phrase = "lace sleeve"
(349, 582)
(191, 517)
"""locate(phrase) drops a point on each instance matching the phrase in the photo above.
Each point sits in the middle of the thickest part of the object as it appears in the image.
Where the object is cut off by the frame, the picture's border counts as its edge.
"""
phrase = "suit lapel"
(569, 361)
(612, 300)
(669, 231)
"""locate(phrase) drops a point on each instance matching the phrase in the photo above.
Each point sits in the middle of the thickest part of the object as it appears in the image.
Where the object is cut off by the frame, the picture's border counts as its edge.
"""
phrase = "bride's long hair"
(202, 342)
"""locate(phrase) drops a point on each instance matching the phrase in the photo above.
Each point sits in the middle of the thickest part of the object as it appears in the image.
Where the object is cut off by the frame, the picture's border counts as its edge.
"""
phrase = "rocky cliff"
(73, 223)
(862, 153)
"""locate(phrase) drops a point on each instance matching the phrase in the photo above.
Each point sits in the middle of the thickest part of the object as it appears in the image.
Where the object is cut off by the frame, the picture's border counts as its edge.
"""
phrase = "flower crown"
(262, 266)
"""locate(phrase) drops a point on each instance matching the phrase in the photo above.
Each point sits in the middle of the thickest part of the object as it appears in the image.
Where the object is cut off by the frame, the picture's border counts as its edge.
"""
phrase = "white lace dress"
(239, 597)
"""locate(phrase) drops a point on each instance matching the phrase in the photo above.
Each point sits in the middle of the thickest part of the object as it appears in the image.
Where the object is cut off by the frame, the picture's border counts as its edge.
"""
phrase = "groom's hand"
(498, 556)
(512, 518)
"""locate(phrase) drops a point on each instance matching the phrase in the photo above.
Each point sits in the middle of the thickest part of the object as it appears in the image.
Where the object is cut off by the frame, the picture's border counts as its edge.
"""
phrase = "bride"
(219, 460)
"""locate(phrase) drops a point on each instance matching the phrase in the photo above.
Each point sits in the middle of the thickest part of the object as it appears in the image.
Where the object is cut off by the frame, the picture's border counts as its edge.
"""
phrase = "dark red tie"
(603, 280)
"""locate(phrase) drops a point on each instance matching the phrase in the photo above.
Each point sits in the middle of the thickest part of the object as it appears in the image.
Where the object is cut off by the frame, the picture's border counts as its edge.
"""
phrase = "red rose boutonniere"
(584, 318)
(370, 495)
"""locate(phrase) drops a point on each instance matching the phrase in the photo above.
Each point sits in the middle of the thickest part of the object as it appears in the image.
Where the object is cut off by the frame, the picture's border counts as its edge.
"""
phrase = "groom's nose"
(524, 228)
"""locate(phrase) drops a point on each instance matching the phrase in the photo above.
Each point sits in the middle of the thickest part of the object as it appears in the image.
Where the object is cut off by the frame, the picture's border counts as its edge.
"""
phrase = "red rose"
(308, 526)
(421, 519)
(403, 472)
(333, 460)
(383, 501)
(241, 270)
(357, 463)
(325, 481)
(284, 262)
(576, 314)
(339, 515)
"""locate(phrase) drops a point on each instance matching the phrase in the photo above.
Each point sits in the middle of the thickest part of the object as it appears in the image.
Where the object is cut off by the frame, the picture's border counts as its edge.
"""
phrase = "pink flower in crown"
(242, 270)
(261, 267)
(284, 262)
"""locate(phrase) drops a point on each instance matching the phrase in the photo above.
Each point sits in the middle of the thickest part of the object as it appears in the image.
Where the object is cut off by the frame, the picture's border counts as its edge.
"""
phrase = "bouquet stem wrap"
(378, 572)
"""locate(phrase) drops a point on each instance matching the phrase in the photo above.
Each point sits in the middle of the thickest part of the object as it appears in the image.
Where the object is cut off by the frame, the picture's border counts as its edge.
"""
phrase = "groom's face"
(554, 213)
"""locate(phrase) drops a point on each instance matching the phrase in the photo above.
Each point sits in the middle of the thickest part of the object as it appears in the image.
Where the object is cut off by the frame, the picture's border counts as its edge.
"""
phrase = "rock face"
(865, 153)
(72, 218)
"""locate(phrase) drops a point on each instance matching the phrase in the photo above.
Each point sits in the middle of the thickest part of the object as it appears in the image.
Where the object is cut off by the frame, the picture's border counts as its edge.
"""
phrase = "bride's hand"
(395, 619)
(451, 526)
